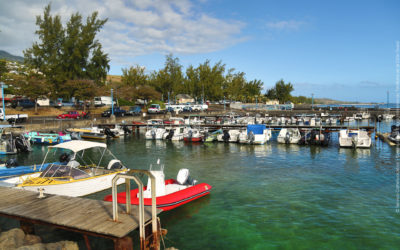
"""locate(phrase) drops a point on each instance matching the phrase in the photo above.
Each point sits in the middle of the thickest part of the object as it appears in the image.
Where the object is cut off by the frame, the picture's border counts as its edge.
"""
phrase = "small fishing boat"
(88, 133)
(395, 134)
(231, 135)
(155, 133)
(355, 138)
(289, 136)
(175, 134)
(169, 193)
(315, 137)
(213, 136)
(47, 138)
(193, 135)
(85, 167)
(255, 134)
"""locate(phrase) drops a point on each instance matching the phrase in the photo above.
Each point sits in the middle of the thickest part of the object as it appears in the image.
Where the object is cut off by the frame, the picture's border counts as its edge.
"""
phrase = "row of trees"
(68, 61)
(206, 81)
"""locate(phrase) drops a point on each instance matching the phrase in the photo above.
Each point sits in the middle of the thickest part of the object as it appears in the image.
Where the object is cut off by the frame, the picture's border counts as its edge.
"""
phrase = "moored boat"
(87, 168)
(289, 136)
(47, 138)
(355, 138)
(394, 135)
(169, 193)
(255, 134)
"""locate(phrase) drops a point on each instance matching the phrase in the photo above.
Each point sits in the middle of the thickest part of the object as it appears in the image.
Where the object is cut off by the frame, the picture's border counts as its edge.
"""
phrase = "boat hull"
(77, 188)
(170, 201)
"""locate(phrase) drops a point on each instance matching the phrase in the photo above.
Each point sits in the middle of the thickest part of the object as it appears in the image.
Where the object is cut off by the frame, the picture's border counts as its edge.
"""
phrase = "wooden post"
(124, 243)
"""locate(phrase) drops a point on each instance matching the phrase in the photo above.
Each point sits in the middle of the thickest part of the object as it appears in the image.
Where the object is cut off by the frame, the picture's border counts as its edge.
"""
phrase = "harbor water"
(270, 196)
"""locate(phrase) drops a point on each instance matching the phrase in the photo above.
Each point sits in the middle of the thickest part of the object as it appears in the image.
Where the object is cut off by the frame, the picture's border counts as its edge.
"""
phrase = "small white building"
(272, 102)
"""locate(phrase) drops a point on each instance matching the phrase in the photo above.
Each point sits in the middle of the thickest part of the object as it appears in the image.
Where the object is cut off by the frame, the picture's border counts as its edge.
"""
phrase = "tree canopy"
(281, 91)
(68, 53)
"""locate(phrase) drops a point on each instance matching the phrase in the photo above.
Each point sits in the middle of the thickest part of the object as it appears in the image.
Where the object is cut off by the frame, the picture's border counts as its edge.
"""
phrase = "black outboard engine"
(287, 138)
(126, 130)
(226, 136)
(11, 163)
(20, 145)
(108, 132)
(170, 135)
(75, 136)
(153, 134)
(65, 158)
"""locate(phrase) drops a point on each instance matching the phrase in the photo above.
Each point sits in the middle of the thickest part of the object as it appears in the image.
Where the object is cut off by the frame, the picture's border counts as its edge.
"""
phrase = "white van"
(102, 101)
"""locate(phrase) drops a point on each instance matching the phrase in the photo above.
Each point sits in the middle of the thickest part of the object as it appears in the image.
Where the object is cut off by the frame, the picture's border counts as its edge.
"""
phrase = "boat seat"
(73, 164)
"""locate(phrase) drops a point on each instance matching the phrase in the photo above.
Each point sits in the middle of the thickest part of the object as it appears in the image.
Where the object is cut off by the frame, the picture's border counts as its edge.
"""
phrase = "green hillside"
(9, 57)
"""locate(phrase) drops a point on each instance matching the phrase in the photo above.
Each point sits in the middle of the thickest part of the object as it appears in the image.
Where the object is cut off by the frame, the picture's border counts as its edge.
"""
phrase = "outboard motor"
(126, 130)
(251, 137)
(153, 134)
(226, 136)
(184, 178)
(170, 135)
(115, 164)
(287, 138)
(20, 145)
(11, 163)
(75, 136)
(108, 132)
(190, 134)
(65, 158)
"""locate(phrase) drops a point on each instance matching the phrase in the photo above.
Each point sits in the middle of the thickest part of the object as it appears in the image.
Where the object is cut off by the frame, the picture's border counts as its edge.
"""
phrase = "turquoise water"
(271, 196)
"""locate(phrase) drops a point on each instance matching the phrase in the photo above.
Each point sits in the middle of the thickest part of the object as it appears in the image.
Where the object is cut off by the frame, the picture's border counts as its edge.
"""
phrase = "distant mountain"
(8, 56)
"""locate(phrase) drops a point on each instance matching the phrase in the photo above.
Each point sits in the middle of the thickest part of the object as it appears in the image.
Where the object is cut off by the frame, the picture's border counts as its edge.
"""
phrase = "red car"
(72, 115)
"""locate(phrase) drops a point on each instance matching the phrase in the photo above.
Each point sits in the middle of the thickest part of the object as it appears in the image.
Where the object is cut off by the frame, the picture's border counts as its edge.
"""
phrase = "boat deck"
(87, 216)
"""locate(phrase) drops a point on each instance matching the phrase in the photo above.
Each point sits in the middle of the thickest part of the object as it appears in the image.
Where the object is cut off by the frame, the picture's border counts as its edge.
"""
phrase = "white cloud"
(137, 27)
(285, 25)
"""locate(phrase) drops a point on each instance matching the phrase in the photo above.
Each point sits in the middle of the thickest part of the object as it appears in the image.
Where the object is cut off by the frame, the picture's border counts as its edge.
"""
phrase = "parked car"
(187, 109)
(60, 103)
(136, 110)
(117, 112)
(155, 109)
(24, 103)
(72, 115)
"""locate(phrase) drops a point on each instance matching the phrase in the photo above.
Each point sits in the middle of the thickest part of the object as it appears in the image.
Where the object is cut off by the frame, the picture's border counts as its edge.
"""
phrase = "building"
(184, 98)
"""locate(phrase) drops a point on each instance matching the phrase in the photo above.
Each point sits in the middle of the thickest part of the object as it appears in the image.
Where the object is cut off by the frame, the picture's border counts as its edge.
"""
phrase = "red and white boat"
(193, 135)
(170, 193)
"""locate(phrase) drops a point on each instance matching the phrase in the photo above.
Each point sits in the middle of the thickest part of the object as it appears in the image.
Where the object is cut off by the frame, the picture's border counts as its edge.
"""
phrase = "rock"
(12, 239)
(37, 246)
(31, 239)
(62, 245)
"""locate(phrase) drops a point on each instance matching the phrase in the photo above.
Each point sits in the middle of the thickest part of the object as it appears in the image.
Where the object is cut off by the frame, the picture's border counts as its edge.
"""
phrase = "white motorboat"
(175, 133)
(77, 173)
(289, 135)
(231, 135)
(255, 134)
(155, 133)
(354, 138)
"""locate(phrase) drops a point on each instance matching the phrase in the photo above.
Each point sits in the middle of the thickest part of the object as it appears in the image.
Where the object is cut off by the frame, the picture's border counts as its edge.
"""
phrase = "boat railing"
(131, 175)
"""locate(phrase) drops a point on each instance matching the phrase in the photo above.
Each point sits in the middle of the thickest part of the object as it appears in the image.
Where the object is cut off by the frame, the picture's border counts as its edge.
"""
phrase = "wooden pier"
(86, 216)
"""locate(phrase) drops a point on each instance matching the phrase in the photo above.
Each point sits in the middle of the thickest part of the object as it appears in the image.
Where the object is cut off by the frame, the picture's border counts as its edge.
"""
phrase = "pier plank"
(71, 212)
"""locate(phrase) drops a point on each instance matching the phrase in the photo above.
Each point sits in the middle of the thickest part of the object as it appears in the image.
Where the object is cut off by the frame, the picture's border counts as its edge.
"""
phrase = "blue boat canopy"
(256, 129)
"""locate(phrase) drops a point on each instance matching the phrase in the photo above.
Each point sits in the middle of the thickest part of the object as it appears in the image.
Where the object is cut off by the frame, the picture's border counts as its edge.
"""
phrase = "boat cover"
(256, 129)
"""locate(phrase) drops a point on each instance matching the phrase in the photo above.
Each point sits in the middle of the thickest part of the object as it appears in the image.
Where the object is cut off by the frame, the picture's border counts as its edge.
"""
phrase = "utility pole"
(387, 101)
(312, 101)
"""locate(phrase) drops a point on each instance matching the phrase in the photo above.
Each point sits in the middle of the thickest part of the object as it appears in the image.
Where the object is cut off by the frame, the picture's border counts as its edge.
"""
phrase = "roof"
(78, 145)
(183, 96)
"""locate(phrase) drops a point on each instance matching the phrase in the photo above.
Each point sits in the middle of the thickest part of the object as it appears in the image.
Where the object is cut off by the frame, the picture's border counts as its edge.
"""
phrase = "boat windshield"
(64, 171)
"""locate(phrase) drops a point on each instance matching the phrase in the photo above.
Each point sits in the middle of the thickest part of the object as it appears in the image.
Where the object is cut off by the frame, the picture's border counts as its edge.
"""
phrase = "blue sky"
(343, 50)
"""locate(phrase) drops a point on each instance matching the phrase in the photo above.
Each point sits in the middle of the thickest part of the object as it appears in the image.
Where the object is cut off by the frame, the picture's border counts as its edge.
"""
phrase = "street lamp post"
(112, 103)
(2, 97)
(312, 101)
